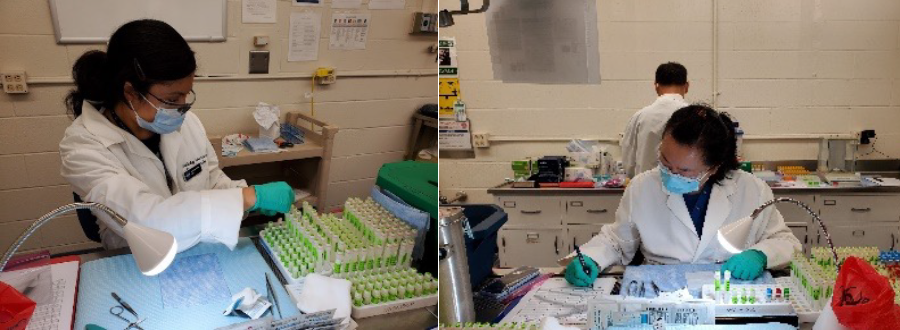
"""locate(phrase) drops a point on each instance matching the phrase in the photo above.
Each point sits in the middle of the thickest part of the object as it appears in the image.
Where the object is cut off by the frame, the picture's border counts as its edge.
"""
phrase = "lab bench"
(546, 223)
(421, 318)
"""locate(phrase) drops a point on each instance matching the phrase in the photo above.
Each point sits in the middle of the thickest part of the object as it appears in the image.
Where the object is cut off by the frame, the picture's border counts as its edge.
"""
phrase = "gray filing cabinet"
(545, 224)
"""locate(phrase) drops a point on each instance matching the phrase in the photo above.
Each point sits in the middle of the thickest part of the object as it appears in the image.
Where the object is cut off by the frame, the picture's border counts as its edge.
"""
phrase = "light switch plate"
(259, 61)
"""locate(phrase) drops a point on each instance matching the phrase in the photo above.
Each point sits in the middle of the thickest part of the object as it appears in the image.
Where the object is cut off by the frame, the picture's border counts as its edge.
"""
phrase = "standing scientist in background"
(673, 212)
(645, 129)
(136, 148)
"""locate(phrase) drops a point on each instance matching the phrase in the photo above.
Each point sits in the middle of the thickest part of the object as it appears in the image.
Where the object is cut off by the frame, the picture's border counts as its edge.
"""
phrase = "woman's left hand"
(747, 265)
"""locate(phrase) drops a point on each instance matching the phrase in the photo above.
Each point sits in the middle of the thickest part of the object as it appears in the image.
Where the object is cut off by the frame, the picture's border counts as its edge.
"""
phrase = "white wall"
(784, 67)
(373, 113)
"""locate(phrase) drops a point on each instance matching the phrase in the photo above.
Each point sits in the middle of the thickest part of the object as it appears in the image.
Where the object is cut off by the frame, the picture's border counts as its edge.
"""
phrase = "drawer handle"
(597, 211)
(576, 203)
(531, 212)
(556, 244)
(573, 242)
(859, 233)
(830, 202)
(861, 210)
(503, 241)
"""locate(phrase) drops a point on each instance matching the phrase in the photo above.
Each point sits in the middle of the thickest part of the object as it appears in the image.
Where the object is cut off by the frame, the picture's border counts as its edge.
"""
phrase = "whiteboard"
(93, 21)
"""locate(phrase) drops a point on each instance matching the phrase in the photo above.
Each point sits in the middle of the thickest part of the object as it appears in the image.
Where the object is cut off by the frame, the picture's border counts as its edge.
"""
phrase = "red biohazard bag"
(15, 308)
(863, 299)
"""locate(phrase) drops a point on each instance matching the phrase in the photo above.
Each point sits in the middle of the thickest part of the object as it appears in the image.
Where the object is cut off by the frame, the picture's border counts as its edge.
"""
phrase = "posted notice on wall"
(349, 31)
(258, 11)
(454, 135)
(303, 41)
(387, 4)
(449, 89)
(346, 4)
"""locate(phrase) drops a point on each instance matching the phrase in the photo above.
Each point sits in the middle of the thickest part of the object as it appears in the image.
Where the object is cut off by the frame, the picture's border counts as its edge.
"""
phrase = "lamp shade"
(733, 236)
(153, 249)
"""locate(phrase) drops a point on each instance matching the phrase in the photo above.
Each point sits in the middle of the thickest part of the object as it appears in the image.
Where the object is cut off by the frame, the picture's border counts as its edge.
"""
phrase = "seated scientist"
(672, 213)
(136, 148)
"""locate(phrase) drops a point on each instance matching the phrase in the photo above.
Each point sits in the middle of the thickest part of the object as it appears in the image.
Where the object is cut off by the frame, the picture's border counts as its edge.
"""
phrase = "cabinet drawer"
(883, 235)
(591, 209)
(531, 247)
(580, 234)
(795, 213)
(860, 208)
(801, 231)
(532, 211)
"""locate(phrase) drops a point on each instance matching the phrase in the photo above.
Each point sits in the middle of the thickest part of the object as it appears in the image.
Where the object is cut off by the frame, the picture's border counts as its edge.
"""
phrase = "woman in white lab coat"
(135, 146)
(673, 212)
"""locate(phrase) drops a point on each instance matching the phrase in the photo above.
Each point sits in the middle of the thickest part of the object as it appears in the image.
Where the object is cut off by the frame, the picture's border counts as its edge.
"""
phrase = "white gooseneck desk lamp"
(153, 249)
(733, 236)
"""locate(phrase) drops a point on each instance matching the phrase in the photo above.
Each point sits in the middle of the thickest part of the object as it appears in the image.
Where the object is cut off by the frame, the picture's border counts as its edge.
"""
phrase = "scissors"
(117, 310)
(637, 289)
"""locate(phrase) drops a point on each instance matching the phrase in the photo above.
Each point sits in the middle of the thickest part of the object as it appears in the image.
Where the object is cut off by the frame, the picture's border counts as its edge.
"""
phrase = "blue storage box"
(485, 221)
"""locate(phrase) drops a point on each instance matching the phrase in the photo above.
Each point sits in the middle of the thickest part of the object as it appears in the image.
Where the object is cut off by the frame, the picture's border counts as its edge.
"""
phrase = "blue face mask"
(678, 184)
(165, 122)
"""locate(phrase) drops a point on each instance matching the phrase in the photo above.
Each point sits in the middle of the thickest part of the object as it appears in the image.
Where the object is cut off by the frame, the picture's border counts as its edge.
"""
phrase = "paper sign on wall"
(454, 135)
(258, 11)
(349, 31)
(448, 70)
(387, 4)
(303, 42)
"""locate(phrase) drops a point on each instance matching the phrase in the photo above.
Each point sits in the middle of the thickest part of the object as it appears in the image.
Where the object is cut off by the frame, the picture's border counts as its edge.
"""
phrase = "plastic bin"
(485, 221)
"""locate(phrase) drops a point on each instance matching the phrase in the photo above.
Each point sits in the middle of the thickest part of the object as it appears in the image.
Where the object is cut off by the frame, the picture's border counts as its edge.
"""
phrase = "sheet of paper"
(387, 4)
(555, 297)
(346, 4)
(303, 42)
(52, 288)
(307, 3)
(349, 31)
(258, 11)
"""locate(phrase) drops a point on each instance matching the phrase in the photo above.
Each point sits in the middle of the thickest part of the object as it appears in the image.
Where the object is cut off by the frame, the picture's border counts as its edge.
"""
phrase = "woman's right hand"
(576, 275)
(273, 197)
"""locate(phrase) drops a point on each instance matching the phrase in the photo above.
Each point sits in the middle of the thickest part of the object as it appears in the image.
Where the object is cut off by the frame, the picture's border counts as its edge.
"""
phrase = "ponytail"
(91, 81)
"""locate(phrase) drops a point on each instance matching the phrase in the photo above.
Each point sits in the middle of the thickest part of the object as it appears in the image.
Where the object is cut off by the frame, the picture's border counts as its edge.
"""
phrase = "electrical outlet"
(325, 76)
(14, 82)
(481, 140)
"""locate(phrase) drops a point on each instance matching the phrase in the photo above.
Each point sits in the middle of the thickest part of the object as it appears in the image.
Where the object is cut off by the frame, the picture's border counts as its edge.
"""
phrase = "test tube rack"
(369, 239)
(384, 292)
(491, 326)
(750, 300)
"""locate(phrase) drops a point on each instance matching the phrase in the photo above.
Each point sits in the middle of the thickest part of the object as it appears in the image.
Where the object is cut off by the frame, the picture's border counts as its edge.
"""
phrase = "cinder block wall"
(784, 67)
(373, 112)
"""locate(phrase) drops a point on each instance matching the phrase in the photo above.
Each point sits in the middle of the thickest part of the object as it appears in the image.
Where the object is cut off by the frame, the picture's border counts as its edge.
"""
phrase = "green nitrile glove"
(747, 265)
(273, 197)
(575, 273)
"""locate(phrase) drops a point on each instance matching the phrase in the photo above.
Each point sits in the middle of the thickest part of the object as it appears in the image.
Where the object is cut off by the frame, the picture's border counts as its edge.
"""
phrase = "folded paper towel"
(321, 293)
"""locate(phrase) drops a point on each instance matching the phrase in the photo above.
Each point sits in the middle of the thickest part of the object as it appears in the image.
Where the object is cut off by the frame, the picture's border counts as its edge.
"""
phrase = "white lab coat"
(644, 132)
(657, 222)
(107, 165)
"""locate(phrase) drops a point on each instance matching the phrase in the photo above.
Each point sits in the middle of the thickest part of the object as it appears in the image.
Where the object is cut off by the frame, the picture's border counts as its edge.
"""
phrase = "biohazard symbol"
(449, 91)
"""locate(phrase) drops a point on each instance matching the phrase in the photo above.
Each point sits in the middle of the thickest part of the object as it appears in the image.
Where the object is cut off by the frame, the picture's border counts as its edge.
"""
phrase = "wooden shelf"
(317, 146)
(308, 149)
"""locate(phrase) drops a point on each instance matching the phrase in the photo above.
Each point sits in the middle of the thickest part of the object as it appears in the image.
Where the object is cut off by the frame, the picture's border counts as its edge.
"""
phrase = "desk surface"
(414, 319)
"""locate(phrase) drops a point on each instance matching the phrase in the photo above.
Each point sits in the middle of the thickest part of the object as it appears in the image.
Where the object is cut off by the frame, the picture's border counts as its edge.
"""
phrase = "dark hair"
(712, 132)
(142, 52)
(671, 73)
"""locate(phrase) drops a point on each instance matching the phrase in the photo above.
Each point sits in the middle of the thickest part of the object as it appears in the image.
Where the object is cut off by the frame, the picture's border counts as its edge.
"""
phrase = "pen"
(584, 267)
(274, 298)
(124, 304)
